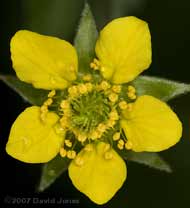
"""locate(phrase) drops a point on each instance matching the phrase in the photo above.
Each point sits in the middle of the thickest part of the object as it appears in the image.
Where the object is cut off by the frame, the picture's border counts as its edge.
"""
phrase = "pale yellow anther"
(87, 77)
(108, 155)
(131, 89)
(116, 136)
(110, 123)
(82, 137)
(121, 142)
(82, 88)
(131, 95)
(116, 88)
(101, 127)
(65, 104)
(79, 161)
(44, 109)
(71, 154)
(73, 91)
(48, 102)
(51, 94)
(129, 106)
(94, 135)
(120, 146)
(107, 147)
(113, 97)
(128, 145)
(123, 105)
(89, 86)
(104, 85)
(88, 148)
(96, 61)
(59, 130)
(68, 143)
(94, 66)
(113, 115)
(62, 152)
(64, 122)
(43, 116)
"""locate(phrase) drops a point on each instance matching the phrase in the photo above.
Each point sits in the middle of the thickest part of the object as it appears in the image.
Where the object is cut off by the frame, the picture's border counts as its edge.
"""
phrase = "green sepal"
(151, 159)
(85, 39)
(162, 89)
(51, 171)
(26, 91)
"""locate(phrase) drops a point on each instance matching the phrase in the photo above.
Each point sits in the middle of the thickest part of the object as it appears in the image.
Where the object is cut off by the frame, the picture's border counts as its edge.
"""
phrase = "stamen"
(113, 115)
(116, 136)
(71, 154)
(73, 91)
(65, 104)
(123, 105)
(82, 137)
(68, 143)
(129, 106)
(107, 147)
(101, 127)
(120, 144)
(48, 102)
(82, 89)
(131, 89)
(104, 85)
(116, 88)
(87, 77)
(89, 86)
(51, 94)
(113, 97)
(128, 145)
(62, 152)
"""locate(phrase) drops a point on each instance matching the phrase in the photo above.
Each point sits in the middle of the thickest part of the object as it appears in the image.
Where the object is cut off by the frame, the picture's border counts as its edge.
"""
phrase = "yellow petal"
(124, 49)
(44, 61)
(32, 140)
(97, 177)
(151, 125)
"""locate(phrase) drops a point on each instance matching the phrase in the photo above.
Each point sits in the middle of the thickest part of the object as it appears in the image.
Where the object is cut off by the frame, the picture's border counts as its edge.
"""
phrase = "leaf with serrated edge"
(150, 159)
(51, 171)
(160, 88)
(85, 39)
(26, 91)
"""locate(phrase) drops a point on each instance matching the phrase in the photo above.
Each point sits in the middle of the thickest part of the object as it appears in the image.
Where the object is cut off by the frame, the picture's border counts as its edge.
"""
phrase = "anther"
(116, 136)
(87, 77)
(73, 91)
(62, 152)
(48, 102)
(82, 88)
(113, 115)
(113, 97)
(82, 137)
(131, 95)
(68, 143)
(131, 89)
(128, 145)
(51, 94)
(116, 88)
(104, 85)
(65, 104)
(101, 127)
(89, 86)
(71, 154)
(123, 105)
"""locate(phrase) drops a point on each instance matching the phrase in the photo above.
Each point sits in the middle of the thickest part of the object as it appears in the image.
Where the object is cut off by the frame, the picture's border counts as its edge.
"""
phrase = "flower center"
(89, 112)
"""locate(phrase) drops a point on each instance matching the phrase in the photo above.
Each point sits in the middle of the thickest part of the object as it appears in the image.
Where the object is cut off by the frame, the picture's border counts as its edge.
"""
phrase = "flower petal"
(44, 61)
(151, 125)
(32, 140)
(98, 178)
(124, 49)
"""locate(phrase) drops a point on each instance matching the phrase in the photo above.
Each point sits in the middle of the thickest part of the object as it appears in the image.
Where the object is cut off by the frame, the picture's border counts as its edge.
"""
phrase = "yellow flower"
(94, 113)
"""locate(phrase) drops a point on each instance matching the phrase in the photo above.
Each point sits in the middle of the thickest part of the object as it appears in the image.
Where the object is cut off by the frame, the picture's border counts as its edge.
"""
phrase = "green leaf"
(85, 39)
(150, 159)
(160, 88)
(51, 171)
(26, 91)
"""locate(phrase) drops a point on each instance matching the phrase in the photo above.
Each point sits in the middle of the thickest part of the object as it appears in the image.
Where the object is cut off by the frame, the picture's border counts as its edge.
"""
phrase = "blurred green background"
(169, 22)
